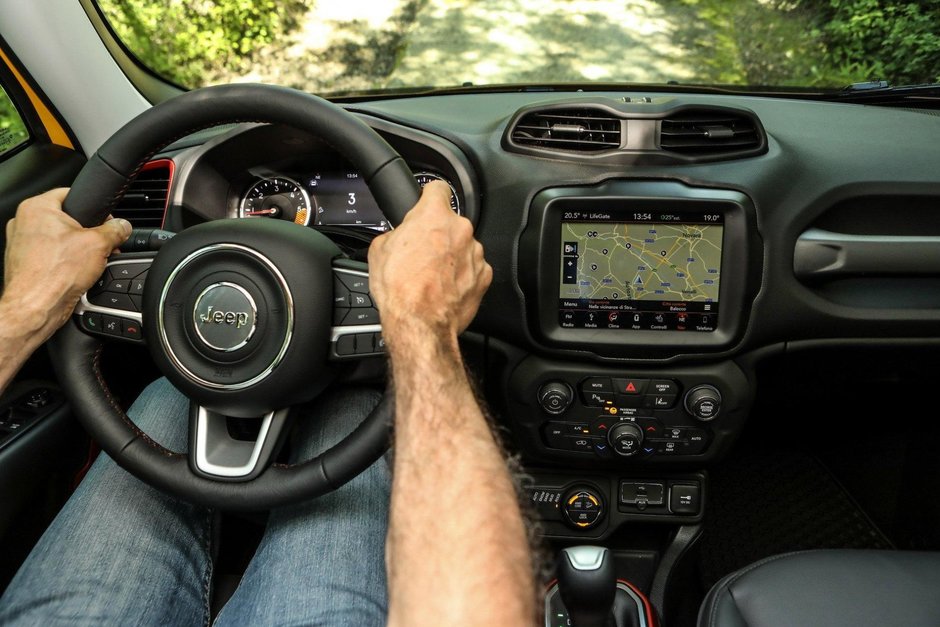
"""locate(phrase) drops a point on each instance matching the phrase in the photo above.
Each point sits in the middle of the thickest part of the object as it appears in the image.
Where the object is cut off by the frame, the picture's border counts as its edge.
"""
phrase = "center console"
(639, 295)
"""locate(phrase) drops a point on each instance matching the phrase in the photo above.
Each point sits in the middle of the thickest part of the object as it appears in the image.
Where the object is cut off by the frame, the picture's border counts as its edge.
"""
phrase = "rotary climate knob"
(625, 438)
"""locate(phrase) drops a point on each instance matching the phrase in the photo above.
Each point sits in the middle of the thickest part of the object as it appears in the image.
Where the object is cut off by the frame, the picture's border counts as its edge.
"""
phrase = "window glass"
(344, 46)
(13, 131)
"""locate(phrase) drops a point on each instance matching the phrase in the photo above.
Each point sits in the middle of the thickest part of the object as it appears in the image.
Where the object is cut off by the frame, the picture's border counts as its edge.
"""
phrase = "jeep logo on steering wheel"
(225, 316)
(239, 319)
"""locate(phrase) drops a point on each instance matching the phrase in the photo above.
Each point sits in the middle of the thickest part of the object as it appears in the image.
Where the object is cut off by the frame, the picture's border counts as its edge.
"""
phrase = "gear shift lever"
(587, 584)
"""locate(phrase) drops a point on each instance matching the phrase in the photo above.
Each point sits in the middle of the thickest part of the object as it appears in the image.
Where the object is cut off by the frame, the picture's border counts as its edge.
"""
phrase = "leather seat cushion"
(829, 587)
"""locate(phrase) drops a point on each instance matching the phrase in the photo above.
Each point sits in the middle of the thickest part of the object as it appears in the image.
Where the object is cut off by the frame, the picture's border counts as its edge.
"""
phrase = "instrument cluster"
(324, 198)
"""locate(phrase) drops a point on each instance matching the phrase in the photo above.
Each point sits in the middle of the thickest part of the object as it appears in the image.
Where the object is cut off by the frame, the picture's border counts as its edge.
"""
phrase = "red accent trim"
(646, 603)
(650, 619)
(93, 451)
(162, 163)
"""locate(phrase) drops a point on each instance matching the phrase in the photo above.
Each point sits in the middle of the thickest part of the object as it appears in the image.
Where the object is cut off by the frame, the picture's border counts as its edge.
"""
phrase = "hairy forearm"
(21, 333)
(458, 549)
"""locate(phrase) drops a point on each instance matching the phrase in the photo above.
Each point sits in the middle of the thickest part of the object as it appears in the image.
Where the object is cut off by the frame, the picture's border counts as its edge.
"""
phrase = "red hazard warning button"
(630, 386)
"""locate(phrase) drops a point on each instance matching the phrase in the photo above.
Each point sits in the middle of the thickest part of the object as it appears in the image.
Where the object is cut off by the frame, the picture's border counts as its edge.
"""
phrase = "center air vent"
(702, 132)
(581, 130)
(144, 203)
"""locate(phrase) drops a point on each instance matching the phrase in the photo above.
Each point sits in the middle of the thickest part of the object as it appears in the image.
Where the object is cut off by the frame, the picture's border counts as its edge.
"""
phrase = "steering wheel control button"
(359, 344)
(100, 284)
(583, 508)
(341, 295)
(365, 343)
(555, 397)
(685, 498)
(354, 282)
(130, 329)
(625, 438)
(119, 286)
(111, 325)
(137, 287)
(128, 270)
(703, 402)
(360, 300)
(92, 322)
(346, 345)
(358, 317)
(225, 316)
(113, 301)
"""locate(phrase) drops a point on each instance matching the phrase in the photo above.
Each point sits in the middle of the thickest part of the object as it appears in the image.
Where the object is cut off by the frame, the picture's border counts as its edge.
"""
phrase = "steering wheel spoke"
(357, 331)
(235, 449)
(112, 308)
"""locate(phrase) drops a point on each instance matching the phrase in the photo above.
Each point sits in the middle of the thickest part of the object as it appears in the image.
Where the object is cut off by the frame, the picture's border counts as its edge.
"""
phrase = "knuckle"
(464, 228)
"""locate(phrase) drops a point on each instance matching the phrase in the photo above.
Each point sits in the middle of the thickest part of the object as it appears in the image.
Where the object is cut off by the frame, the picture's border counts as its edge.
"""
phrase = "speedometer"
(279, 198)
(423, 178)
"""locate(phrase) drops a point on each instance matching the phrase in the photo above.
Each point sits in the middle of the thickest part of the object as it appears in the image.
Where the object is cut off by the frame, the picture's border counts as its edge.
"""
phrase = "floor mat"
(765, 503)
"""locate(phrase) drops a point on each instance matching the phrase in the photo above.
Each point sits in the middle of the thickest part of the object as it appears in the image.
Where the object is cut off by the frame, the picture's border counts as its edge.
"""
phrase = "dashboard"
(637, 285)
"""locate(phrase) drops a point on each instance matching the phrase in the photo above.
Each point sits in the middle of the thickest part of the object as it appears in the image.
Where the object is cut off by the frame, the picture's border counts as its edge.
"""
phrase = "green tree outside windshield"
(13, 131)
(335, 46)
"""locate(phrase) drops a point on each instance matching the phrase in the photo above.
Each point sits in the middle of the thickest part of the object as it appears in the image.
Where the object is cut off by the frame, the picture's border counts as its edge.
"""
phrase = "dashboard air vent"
(710, 132)
(144, 203)
(580, 130)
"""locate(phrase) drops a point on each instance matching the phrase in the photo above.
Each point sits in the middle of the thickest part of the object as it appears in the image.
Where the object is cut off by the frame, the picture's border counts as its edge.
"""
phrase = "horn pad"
(228, 303)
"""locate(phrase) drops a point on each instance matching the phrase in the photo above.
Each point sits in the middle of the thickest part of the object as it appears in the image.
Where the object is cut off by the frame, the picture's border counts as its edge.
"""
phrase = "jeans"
(121, 552)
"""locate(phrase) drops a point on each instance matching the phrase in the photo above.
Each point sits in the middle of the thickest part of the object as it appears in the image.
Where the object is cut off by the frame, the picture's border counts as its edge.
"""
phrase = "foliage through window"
(336, 46)
(13, 131)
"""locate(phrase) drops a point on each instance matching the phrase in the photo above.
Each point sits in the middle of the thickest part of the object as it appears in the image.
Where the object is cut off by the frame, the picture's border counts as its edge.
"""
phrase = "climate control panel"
(616, 417)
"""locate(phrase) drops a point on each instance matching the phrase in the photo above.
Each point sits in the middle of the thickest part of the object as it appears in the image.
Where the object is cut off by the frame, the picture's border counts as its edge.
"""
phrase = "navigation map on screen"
(643, 274)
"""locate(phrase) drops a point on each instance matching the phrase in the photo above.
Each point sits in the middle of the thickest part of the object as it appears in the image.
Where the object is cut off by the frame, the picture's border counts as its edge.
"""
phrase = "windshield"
(349, 46)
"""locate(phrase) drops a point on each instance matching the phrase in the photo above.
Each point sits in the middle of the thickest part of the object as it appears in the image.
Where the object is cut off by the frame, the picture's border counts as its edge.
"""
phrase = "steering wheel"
(238, 314)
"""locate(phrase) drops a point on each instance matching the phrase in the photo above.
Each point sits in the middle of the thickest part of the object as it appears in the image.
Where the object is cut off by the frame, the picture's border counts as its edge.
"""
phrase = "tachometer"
(423, 178)
(279, 198)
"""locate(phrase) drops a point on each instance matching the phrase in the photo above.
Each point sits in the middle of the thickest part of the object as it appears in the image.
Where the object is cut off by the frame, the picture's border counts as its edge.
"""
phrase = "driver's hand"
(429, 271)
(50, 260)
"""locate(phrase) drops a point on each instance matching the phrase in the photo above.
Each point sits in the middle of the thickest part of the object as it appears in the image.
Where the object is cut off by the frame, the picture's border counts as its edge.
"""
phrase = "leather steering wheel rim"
(98, 188)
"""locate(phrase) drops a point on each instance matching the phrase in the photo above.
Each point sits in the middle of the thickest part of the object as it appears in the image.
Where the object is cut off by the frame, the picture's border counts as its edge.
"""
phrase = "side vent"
(144, 203)
(579, 130)
(705, 132)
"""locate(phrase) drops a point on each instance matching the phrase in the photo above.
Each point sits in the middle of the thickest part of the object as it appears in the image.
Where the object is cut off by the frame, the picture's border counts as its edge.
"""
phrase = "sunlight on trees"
(331, 46)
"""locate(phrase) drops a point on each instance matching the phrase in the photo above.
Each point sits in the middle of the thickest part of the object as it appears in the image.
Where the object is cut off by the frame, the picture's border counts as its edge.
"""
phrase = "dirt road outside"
(376, 44)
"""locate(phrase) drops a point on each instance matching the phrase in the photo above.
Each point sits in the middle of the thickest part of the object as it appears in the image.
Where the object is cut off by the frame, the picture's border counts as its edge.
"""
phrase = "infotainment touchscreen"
(654, 271)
